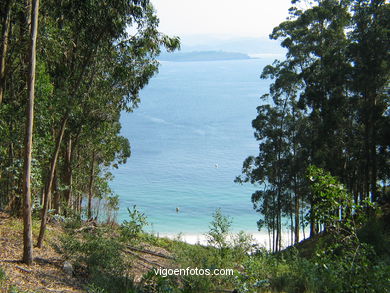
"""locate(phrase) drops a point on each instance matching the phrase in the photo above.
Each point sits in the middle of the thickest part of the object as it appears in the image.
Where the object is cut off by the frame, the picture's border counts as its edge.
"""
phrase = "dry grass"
(45, 275)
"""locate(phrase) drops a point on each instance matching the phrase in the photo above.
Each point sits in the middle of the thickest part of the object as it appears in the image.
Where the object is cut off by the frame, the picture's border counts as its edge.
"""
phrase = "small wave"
(157, 120)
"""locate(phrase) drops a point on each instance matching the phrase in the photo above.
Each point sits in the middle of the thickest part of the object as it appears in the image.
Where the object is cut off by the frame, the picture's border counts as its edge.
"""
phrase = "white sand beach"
(259, 238)
(192, 238)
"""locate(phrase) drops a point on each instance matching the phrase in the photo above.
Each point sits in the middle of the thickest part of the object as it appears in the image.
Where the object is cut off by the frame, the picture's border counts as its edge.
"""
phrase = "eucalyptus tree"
(319, 106)
(27, 221)
(14, 76)
(99, 35)
(369, 52)
(271, 168)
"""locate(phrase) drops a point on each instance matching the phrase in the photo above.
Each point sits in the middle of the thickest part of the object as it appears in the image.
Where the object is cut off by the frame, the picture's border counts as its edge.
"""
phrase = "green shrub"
(73, 222)
(219, 230)
(374, 233)
(102, 258)
(253, 275)
(159, 284)
(133, 228)
(92, 288)
(242, 244)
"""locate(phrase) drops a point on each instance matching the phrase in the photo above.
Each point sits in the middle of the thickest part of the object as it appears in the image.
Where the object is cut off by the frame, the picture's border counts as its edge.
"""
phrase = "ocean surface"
(188, 139)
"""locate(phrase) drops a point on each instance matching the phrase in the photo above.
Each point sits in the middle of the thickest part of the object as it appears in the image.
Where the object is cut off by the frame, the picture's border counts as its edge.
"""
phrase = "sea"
(189, 137)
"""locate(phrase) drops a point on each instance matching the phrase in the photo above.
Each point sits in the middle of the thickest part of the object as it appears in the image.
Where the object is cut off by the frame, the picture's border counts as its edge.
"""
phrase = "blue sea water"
(189, 138)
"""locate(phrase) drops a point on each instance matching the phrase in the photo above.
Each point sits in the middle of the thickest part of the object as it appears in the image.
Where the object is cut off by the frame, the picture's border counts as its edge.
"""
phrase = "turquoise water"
(189, 138)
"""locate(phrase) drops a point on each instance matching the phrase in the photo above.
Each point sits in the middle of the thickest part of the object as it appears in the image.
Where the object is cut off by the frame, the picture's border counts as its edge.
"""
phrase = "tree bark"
(313, 222)
(373, 155)
(68, 178)
(4, 46)
(49, 182)
(292, 227)
(56, 193)
(90, 189)
(296, 232)
(27, 222)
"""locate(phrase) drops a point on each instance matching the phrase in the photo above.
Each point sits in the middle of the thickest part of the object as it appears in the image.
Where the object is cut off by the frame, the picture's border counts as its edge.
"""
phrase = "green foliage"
(327, 106)
(197, 256)
(331, 270)
(345, 257)
(159, 284)
(92, 288)
(375, 233)
(242, 244)
(111, 207)
(253, 275)
(224, 252)
(100, 256)
(350, 267)
(219, 230)
(73, 221)
(133, 228)
(330, 198)
(89, 69)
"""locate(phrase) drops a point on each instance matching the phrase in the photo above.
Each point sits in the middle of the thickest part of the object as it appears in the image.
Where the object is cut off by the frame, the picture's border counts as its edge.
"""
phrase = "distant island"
(202, 56)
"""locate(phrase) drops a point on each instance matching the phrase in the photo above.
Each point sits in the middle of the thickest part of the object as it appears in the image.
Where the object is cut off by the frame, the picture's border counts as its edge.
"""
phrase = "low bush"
(100, 257)
(132, 229)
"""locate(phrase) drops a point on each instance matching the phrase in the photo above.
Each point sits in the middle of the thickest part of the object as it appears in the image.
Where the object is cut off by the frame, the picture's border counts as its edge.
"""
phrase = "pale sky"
(231, 18)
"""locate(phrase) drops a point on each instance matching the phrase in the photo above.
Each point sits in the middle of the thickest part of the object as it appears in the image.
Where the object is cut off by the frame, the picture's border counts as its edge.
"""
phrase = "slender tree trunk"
(366, 152)
(273, 236)
(68, 178)
(274, 228)
(90, 189)
(373, 159)
(10, 181)
(313, 224)
(80, 203)
(49, 182)
(292, 227)
(280, 231)
(56, 193)
(269, 238)
(296, 232)
(27, 222)
(277, 232)
(4, 46)
(303, 223)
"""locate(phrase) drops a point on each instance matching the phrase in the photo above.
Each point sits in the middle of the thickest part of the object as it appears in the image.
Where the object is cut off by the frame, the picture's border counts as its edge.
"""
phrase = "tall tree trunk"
(292, 227)
(296, 232)
(10, 180)
(373, 155)
(366, 151)
(49, 182)
(273, 226)
(302, 221)
(27, 223)
(90, 189)
(68, 178)
(313, 223)
(4, 46)
(277, 232)
(56, 194)
(280, 231)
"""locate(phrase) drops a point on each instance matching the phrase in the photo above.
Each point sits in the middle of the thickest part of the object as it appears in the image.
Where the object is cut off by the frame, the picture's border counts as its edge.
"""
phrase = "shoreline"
(200, 238)
(260, 239)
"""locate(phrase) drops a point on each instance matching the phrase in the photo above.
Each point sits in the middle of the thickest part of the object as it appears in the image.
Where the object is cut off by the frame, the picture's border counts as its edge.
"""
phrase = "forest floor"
(47, 273)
